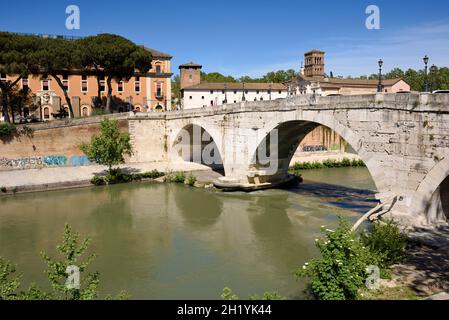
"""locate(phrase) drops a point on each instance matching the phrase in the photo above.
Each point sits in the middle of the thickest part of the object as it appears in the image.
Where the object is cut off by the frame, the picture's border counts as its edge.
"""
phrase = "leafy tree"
(18, 99)
(56, 57)
(395, 74)
(16, 58)
(71, 250)
(9, 282)
(176, 87)
(216, 77)
(114, 57)
(110, 147)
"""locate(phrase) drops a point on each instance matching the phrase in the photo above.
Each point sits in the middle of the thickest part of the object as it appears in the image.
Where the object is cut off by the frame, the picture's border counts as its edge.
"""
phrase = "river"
(160, 241)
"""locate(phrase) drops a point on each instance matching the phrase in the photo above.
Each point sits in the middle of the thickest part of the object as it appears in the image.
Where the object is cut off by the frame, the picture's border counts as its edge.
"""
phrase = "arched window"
(85, 111)
(159, 108)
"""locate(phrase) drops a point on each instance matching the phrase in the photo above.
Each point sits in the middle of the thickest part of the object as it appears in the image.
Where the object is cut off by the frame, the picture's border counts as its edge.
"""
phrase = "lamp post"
(243, 97)
(380, 86)
(226, 96)
(269, 91)
(433, 72)
(426, 82)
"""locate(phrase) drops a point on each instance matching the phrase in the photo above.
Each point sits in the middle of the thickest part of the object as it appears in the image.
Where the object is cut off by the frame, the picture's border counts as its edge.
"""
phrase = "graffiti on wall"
(47, 161)
(57, 161)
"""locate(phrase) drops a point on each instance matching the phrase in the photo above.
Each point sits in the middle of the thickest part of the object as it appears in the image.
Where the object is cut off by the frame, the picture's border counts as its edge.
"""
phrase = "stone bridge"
(402, 138)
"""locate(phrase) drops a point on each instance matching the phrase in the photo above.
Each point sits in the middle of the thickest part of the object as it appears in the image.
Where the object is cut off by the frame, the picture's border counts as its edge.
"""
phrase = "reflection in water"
(175, 242)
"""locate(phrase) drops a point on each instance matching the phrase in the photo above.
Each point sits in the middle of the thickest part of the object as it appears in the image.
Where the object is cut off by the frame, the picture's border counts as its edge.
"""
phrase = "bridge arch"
(292, 129)
(431, 199)
(198, 143)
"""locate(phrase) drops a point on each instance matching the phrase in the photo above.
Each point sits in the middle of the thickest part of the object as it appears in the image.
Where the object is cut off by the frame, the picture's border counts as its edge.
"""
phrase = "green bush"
(178, 177)
(191, 179)
(330, 163)
(98, 181)
(116, 176)
(341, 271)
(386, 241)
(154, 174)
(7, 130)
(346, 162)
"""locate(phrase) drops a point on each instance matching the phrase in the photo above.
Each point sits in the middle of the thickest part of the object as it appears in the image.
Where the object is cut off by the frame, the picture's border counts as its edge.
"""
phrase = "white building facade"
(216, 94)
(197, 94)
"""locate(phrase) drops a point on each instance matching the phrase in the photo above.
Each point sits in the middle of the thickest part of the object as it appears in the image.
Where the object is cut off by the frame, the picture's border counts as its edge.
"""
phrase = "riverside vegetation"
(110, 148)
(71, 250)
(341, 272)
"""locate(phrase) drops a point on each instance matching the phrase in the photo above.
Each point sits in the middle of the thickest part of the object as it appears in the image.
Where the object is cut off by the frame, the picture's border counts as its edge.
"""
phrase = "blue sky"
(248, 37)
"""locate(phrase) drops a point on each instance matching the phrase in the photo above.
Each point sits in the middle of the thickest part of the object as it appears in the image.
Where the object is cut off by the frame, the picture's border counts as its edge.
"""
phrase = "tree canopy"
(106, 55)
(114, 57)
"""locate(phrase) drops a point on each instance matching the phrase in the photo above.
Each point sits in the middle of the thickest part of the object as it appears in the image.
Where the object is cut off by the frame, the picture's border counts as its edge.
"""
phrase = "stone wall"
(52, 144)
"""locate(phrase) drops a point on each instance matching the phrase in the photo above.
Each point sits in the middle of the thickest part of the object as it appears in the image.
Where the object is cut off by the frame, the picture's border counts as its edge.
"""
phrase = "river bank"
(59, 178)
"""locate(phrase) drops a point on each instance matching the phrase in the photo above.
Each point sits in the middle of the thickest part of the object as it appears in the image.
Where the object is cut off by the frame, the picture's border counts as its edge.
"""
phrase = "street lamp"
(269, 91)
(433, 72)
(380, 86)
(226, 96)
(243, 97)
(426, 82)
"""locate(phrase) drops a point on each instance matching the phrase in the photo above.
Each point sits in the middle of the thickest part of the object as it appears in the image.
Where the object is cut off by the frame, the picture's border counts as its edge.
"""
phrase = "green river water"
(160, 241)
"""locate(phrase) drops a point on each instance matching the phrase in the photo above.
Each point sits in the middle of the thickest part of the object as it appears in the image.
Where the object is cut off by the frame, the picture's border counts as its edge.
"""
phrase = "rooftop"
(158, 54)
(337, 82)
(190, 65)
(237, 86)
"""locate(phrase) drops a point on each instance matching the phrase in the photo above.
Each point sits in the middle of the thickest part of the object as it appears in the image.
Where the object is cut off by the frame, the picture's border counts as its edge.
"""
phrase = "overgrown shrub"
(191, 179)
(116, 176)
(98, 181)
(330, 163)
(387, 241)
(154, 174)
(7, 130)
(341, 271)
(178, 177)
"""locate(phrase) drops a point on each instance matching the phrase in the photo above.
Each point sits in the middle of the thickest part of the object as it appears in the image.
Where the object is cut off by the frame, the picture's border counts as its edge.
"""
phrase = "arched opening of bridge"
(195, 144)
(273, 156)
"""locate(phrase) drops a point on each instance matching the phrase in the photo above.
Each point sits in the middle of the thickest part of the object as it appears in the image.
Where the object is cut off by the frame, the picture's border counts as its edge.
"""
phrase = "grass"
(345, 163)
(395, 293)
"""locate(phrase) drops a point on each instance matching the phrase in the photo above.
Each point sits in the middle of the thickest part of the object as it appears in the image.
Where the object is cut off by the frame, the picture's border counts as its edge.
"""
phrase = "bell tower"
(314, 64)
(190, 74)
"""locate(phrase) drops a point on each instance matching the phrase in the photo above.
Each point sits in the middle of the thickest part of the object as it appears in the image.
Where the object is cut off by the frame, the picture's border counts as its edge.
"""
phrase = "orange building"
(143, 92)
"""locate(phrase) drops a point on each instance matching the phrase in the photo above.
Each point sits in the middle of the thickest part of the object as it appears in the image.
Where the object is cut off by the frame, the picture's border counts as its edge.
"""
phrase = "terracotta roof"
(336, 82)
(191, 65)
(359, 82)
(158, 54)
(236, 86)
